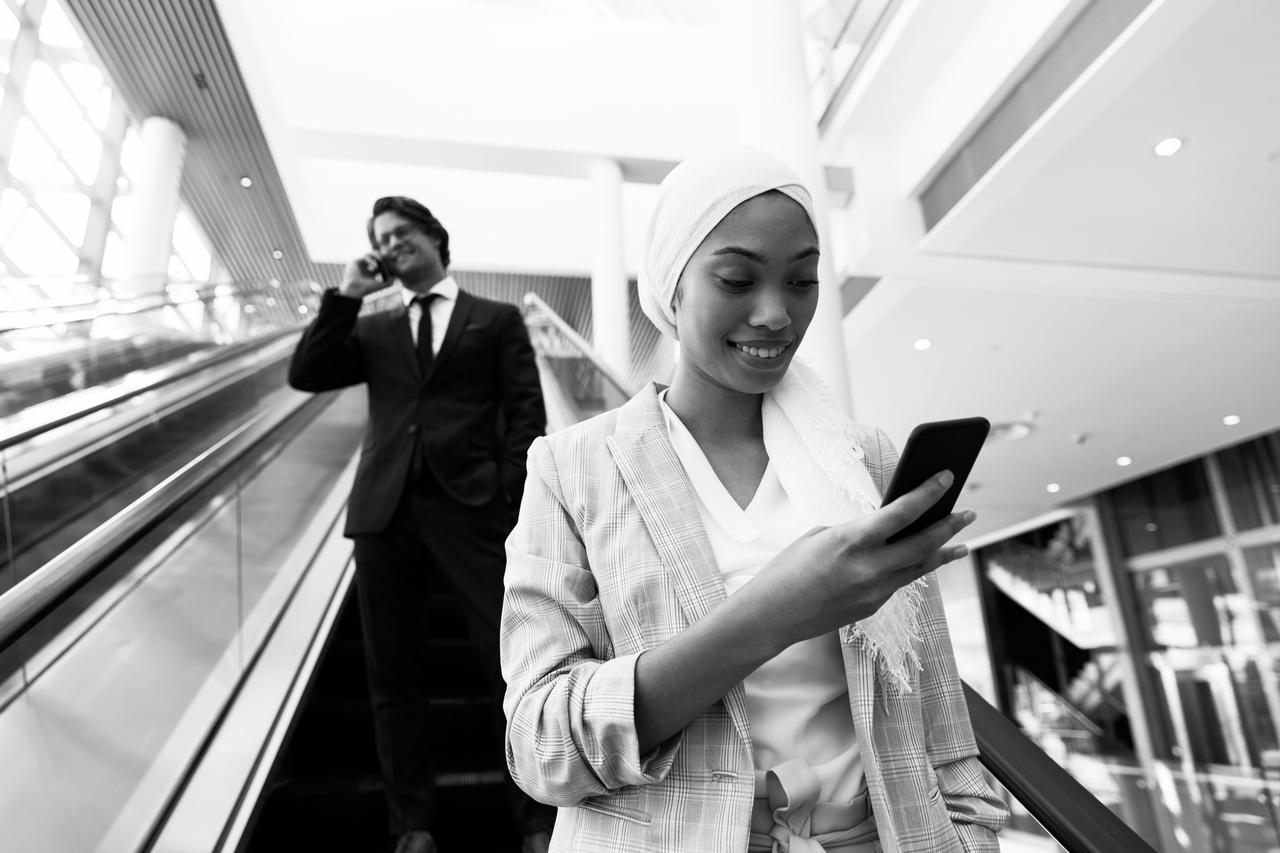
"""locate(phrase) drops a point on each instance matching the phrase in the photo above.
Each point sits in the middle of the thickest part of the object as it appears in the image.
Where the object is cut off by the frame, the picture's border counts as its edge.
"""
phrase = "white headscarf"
(814, 447)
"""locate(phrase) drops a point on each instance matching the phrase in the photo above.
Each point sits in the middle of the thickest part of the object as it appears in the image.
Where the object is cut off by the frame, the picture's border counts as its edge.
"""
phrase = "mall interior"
(1062, 215)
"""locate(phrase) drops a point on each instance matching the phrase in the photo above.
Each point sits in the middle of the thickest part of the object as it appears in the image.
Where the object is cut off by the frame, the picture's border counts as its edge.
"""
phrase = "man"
(454, 402)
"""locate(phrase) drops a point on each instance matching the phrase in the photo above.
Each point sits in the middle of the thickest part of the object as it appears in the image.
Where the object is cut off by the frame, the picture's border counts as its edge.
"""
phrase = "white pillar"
(776, 115)
(610, 308)
(147, 245)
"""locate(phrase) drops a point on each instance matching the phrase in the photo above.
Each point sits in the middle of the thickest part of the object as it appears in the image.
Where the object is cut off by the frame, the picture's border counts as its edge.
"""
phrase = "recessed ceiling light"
(277, 254)
(246, 182)
(271, 302)
(1009, 431)
(923, 344)
(249, 309)
(1053, 488)
(1123, 461)
(275, 282)
(1168, 147)
(302, 309)
(1231, 420)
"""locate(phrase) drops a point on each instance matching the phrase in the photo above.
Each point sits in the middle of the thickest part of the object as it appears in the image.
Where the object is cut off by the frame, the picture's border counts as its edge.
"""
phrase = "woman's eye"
(738, 283)
(805, 283)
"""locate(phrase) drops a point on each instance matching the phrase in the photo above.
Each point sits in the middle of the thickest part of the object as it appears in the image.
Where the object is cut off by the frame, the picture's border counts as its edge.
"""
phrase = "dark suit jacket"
(475, 413)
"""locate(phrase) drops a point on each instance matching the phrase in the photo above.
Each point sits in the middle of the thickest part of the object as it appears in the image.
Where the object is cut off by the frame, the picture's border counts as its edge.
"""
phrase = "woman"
(706, 641)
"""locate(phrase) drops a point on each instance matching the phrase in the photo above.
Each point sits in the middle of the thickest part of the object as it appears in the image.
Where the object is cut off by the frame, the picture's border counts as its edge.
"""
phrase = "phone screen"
(932, 448)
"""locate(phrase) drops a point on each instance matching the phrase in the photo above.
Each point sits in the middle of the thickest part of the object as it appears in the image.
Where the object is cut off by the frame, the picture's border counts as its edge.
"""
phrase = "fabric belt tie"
(788, 818)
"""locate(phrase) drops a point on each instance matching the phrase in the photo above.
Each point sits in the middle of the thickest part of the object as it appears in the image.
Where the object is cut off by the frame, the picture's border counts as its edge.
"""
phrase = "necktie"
(425, 353)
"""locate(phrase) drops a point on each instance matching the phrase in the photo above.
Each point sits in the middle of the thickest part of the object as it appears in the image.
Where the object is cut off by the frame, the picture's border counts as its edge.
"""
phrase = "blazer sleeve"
(329, 355)
(524, 417)
(976, 812)
(570, 704)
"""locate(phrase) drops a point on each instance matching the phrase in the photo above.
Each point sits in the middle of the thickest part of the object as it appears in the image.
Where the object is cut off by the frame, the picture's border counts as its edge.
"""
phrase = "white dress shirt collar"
(445, 288)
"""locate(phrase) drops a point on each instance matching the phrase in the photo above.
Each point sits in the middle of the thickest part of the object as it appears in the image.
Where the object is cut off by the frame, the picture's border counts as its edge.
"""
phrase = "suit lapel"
(664, 498)
(457, 322)
(397, 320)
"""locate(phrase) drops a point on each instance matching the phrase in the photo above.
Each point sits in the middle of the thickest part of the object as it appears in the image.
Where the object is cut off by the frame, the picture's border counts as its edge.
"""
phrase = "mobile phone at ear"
(932, 448)
(380, 270)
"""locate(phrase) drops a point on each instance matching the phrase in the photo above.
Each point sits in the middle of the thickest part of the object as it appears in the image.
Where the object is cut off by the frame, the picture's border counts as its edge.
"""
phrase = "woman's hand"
(832, 576)
(827, 578)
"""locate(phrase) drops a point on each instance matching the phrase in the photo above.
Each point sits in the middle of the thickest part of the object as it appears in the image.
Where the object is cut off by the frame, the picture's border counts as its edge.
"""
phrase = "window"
(1251, 474)
(1168, 508)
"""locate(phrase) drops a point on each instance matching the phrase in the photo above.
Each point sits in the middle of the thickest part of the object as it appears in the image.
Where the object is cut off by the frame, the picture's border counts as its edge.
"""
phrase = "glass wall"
(1172, 711)
(71, 160)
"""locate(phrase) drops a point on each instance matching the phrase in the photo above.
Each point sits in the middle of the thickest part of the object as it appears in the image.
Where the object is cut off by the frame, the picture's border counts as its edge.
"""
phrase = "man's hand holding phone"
(365, 275)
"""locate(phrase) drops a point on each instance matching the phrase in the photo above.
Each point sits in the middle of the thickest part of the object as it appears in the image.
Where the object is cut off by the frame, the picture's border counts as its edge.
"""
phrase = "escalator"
(200, 684)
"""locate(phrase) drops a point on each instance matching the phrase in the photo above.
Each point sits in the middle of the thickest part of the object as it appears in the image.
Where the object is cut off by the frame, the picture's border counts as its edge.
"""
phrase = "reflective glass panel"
(1251, 475)
(35, 162)
(1168, 508)
(1263, 563)
(69, 211)
(1194, 604)
(57, 28)
(9, 27)
(37, 249)
(52, 105)
(89, 88)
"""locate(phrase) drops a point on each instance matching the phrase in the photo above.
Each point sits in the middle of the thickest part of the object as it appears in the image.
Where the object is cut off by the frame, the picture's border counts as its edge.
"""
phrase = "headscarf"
(815, 448)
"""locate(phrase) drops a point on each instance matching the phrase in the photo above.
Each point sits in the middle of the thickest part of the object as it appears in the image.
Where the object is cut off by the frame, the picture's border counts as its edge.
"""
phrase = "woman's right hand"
(833, 576)
(359, 278)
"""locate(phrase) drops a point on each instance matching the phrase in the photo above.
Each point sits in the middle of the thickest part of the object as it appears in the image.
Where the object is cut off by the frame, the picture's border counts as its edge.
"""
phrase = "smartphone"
(932, 448)
(380, 270)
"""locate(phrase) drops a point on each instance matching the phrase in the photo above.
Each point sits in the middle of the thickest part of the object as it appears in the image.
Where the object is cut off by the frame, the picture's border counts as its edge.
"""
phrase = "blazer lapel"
(457, 322)
(664, 498)
(397, 320)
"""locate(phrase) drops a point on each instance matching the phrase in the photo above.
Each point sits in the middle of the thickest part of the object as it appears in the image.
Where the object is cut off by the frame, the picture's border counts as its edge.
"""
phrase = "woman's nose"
(770, 309)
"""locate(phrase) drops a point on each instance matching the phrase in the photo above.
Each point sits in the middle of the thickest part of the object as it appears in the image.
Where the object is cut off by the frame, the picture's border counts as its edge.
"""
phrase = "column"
(776, 115)
(149, 238)
(610, 307)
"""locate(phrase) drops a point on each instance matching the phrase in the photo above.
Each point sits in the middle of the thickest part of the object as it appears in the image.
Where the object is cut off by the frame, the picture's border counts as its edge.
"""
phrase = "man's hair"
(415, 212)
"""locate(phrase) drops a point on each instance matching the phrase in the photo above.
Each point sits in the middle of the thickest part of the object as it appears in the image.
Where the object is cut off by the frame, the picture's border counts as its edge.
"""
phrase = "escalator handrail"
(619, 383)
(167, 376)
(87, 310)
(32, 597)
(1069, 811)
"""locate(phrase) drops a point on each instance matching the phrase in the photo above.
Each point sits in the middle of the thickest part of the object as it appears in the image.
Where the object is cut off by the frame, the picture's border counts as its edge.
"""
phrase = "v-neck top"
(797, 702)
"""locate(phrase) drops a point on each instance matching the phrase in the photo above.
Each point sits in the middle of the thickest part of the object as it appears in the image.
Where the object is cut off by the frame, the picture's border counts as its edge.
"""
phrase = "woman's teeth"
(762, 352)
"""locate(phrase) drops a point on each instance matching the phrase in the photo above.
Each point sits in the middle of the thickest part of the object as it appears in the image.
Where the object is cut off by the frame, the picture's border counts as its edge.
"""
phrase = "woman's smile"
(761, 350)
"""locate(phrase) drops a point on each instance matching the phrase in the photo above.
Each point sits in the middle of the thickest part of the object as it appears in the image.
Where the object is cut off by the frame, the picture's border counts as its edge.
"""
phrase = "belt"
(788, 818)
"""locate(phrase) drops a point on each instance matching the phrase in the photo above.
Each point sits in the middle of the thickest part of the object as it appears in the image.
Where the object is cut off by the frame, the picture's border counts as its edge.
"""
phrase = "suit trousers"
(433, 543)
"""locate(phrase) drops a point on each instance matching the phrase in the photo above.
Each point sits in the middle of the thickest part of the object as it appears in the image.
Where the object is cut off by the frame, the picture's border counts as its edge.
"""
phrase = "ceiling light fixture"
(1168, 147)
(1053, 488)
(1006, 431)
(1124, 461)
(246, 182)
(277, 254)
(922, 344)
(1231, 420)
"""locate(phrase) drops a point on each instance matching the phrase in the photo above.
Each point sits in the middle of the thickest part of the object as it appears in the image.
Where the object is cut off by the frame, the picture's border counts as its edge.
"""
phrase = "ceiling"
(1121, 302)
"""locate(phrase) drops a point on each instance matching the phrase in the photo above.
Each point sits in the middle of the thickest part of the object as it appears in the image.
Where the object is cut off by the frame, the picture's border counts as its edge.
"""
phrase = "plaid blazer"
(609, 558)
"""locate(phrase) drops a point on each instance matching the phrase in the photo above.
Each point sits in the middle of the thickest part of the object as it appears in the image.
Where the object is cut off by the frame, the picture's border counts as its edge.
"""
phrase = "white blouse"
(798, 702)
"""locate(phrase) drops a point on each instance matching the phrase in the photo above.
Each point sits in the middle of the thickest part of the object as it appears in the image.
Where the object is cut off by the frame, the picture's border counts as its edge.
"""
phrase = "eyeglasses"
(399, 233)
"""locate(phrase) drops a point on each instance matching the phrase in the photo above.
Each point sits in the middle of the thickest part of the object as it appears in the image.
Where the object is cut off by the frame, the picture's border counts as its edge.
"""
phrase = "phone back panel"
(932, 448)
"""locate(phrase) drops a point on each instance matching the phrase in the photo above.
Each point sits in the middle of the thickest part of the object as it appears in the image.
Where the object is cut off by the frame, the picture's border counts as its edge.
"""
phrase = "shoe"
(418, 841)
(536, 842)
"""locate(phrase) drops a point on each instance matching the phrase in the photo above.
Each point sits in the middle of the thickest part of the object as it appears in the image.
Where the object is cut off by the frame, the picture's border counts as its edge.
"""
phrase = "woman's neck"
(713, 414)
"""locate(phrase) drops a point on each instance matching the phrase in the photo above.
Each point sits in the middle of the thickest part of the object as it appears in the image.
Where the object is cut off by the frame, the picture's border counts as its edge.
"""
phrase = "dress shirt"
(797, 702)
(446, 291)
